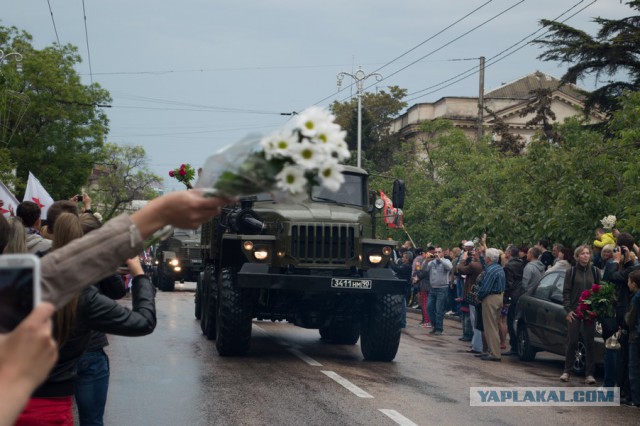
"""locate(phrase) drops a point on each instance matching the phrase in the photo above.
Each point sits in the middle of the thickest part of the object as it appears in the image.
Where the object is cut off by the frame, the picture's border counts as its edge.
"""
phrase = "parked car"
(540, 323)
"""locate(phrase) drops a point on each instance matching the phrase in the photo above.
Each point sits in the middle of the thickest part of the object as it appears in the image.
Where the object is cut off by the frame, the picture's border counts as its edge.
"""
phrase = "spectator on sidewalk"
(490, 292)
(470, 268)
(423, 288)
(438, 271)
(576, 280)
(633, 325)
(533, 270)
(546, 256)
(564, 260)
(30, 214)
(403, 272)
(513, 271)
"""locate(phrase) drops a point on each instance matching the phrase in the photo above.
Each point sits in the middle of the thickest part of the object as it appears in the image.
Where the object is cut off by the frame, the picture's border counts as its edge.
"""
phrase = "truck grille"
(190, 253)
(318, 243)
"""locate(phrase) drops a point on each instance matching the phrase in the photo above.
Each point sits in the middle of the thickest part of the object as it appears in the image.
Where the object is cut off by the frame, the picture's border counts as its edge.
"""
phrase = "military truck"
(315, 264)
(177, 258)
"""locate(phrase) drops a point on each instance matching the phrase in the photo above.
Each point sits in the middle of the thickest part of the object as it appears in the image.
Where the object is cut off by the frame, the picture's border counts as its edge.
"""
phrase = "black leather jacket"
(98, 312)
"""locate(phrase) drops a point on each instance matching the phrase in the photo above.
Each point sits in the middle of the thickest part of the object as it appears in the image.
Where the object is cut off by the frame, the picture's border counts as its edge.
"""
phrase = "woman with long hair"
(51, 403)
(17, 242)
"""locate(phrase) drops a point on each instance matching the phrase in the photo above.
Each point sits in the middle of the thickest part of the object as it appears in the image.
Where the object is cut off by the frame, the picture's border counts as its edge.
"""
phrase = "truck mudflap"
(255, 275)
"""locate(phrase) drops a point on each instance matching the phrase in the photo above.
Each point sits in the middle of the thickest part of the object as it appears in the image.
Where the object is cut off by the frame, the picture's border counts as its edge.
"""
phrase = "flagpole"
(410, 239)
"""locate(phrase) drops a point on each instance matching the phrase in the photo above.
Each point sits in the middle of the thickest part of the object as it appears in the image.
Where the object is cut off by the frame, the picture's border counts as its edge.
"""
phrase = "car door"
(557, 331)
(541, 312)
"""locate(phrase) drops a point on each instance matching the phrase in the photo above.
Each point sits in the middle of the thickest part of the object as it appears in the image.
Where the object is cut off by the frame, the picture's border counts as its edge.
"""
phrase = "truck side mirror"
(399, 190)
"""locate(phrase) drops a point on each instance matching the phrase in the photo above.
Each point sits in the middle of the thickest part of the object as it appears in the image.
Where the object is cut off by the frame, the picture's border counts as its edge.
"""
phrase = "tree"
(62, 128)
(123, 177)
(378, 111)
(613, 52)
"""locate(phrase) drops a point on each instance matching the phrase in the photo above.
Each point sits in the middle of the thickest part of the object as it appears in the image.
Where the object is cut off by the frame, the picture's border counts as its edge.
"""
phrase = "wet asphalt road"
(175, 377)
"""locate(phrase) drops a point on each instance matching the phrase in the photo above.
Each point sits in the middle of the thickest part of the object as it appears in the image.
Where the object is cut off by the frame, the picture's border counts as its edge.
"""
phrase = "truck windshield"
(186, 232)
(350, 192)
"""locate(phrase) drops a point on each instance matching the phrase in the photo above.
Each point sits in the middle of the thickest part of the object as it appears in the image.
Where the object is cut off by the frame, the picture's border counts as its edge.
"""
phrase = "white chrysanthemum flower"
(338, 150)
(312, 119)
(280, 144)
(291, 179)
(331, 175)
(608, 221)
(330, 133)
(308, 155)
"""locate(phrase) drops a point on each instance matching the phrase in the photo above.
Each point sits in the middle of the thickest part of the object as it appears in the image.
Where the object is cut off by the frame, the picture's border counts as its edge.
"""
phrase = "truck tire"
(210, 305)
(341, 333)
(380, 331)
(233, 322)
(198, 297)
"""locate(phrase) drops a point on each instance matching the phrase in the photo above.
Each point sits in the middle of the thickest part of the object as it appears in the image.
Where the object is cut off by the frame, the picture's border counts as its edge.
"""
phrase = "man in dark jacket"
(403, 272)
(513, 276)
(617, 272)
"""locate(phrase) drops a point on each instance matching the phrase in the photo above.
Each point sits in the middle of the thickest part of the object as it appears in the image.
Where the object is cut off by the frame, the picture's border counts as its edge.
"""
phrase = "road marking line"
(293, 348)
(397, 417)
(347, 384)
(304, 357)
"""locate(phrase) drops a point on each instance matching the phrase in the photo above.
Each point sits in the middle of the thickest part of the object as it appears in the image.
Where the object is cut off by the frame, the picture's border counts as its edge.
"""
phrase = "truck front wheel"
(233, 322)
(165, 281)
(380, 330)
(209, 306)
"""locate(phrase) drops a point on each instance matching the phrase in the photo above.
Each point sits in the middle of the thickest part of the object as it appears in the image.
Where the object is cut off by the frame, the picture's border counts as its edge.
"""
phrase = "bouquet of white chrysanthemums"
(307, 151)
(608, 222)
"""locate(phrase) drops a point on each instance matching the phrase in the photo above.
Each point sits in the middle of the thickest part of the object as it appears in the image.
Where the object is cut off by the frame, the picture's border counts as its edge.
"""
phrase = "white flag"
(10, 202)
(35, 192)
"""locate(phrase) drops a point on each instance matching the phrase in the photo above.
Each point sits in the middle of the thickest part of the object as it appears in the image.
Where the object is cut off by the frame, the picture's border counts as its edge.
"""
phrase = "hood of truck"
(312, 212)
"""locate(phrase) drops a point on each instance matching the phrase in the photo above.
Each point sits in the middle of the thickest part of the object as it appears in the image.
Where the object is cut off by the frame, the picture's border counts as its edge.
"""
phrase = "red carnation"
(593, 314)
(583, 307)
(171, 173)
(585, 294)
(596, 288)
(580, 315)
(182, 172)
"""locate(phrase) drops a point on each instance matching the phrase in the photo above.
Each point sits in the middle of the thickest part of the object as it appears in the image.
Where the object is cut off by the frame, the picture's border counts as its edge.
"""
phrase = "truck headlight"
(375, 258)
(261, 253)
(174, 262)
(177, 268)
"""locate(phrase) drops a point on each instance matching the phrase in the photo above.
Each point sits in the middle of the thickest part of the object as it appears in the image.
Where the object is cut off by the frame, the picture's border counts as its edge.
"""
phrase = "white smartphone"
(20, 288)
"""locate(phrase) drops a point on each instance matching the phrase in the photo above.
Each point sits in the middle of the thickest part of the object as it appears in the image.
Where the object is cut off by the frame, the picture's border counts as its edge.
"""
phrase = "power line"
(435, 35)
(410, 50)
(452, 41)
(53, 21)
(86, 35)
(494, 59)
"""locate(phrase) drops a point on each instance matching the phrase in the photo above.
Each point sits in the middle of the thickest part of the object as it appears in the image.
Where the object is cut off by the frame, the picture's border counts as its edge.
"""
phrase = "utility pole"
(359, 76)
(481, 100)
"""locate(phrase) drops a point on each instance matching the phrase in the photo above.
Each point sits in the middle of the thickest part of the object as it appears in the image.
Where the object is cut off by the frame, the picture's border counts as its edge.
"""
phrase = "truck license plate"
(196, 261)
(348, 283)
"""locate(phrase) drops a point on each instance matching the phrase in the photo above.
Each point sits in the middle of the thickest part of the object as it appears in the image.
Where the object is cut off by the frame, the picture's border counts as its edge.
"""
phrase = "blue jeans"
(610, 367)
(92, 386)
(435, 306)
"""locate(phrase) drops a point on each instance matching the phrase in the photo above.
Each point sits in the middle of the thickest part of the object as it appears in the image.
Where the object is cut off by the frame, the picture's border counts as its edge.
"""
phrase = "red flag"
(393, 217)
(35, 192)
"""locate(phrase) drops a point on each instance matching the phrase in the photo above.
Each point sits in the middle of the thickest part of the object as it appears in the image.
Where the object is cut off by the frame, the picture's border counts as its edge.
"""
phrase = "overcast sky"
(188, 77)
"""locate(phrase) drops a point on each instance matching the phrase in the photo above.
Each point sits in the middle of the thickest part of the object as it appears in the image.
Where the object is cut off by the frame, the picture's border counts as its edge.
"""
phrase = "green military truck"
(177, 258)
(315, 264)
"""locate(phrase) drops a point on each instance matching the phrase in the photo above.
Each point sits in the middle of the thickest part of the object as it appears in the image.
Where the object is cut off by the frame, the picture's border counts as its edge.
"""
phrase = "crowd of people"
(481, 286)
(57, 353)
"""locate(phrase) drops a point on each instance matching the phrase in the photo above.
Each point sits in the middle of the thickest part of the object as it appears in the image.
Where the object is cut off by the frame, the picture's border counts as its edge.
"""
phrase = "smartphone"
(19, 288)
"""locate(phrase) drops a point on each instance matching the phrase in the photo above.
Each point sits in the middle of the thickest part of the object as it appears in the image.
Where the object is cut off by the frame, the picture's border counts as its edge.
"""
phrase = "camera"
(79, 197)
(616, 249)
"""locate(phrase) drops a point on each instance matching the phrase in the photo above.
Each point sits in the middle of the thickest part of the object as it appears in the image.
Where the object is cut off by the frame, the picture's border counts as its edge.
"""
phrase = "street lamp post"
(359, 77)
(17, 56)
